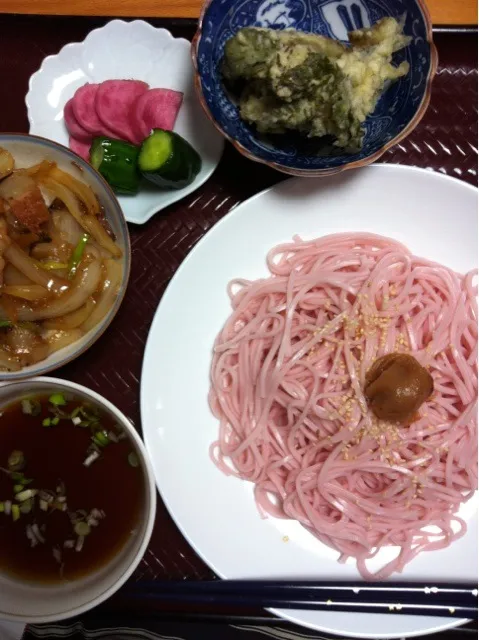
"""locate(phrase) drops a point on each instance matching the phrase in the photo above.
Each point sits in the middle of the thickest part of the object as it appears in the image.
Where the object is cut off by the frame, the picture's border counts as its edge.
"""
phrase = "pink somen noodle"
(288, 376)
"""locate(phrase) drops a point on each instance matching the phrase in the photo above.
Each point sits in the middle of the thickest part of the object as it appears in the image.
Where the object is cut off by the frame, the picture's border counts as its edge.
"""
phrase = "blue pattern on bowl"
(397, 108)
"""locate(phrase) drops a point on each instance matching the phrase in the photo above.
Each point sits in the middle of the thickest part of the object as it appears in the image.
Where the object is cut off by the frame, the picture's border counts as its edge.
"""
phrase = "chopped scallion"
(31, 407)
(76, 421)
(7, 507)
(94, 455)
(26, 506)
(55, 420)
(27, 407)
(16, 461)
(15, 512)
(82, 528)
(17, 488)
(57, 399)
(77, 255)
(69, 544)
(90, 415)
(75, 412)
(4, 324)
(101, 438)
(133, 459)
(25, 495)
(37, 533)
(79, 543)
(2, 507)
(47, 422)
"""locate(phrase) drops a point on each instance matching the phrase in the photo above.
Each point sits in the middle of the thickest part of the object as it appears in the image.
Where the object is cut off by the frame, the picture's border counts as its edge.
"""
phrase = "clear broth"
(55, 454)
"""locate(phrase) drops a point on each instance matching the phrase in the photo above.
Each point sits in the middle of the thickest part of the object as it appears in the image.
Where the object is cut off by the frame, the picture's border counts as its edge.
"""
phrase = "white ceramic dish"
(21, 601)
(436, 217)
(27, 151)
(126, 50)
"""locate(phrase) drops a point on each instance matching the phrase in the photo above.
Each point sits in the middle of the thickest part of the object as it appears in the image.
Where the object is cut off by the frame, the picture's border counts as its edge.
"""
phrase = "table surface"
(444, 141)
(443, 12)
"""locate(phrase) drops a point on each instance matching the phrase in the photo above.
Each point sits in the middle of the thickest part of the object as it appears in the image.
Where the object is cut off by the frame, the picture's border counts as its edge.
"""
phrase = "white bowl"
(28, 150)
(126, 50)
(21, 601)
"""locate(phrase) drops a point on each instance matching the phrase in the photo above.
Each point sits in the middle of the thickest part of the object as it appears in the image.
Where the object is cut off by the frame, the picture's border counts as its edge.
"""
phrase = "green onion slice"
(31, 407)
(26, 507)
(16, 461)
(133, 459)
(26, 495)
(77, 255)
(82, 528)
(57, 399)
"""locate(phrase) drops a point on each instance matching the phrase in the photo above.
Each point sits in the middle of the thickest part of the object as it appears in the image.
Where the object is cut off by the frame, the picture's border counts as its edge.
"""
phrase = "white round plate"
(436, 217)
(126, 50)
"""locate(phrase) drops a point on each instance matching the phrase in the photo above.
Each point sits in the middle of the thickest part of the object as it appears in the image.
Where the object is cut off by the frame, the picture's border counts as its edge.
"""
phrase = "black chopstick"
(435, 599)
(459, 600)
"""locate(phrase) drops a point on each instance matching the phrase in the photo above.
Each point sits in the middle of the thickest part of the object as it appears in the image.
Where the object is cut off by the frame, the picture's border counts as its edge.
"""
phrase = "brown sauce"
(56, 454)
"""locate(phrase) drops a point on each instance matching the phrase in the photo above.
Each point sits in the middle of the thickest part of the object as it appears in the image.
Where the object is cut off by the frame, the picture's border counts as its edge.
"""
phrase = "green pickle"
(168, 160)
(116, 160)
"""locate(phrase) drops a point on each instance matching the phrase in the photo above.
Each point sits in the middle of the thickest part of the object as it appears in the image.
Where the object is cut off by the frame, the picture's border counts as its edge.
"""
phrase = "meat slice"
(30, 209)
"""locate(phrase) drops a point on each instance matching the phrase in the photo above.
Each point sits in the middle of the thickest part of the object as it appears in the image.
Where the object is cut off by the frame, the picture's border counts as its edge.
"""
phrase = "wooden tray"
(444, 141)
(450, 12)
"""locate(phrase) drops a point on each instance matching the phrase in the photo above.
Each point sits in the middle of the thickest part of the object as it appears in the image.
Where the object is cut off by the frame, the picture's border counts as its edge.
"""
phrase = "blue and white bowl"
(397, 113)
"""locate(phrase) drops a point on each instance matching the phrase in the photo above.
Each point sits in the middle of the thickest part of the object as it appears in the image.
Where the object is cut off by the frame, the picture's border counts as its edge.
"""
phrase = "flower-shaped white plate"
(126, 50)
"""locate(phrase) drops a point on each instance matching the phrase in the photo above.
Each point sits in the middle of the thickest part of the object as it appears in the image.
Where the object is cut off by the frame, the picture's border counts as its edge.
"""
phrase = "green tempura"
(313, 84)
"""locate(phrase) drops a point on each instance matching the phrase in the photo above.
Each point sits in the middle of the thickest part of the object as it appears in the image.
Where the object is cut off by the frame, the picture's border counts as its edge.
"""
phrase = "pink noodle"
(287, 387)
